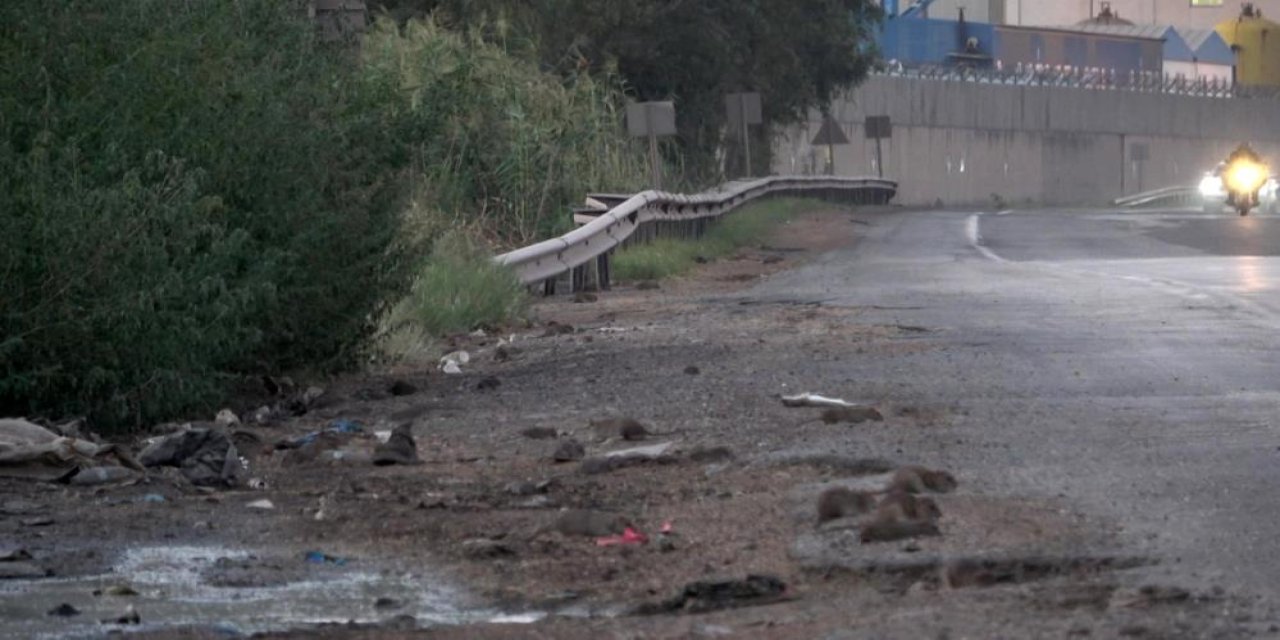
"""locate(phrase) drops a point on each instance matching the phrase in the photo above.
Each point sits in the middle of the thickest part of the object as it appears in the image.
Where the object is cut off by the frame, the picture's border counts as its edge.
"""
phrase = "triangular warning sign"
(830, 133)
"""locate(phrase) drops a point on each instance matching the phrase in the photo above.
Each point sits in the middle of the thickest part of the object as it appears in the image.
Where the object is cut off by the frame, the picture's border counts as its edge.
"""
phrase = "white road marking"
(975, 239)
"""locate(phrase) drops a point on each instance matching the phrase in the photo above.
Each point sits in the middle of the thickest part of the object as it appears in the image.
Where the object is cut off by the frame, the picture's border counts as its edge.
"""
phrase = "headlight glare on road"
(1211, 186)
(1245, 176)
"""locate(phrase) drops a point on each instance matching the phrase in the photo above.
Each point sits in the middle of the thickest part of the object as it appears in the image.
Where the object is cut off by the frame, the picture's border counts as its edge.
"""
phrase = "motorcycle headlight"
(1245, 176)
(1211, 186)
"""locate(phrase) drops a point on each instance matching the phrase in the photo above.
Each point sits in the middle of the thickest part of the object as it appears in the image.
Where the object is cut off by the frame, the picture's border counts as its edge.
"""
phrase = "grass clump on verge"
(668, 257)
(460, 288)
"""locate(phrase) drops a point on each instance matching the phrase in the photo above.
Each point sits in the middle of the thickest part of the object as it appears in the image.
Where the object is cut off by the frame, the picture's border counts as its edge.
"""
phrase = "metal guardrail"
(657, 213)
(1030, 75)
(1170, 195)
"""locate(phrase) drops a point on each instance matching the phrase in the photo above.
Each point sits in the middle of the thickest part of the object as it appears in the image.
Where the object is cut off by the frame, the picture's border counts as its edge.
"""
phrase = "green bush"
(188, 191)
(667, 257)
(498, 144)
(460, 289)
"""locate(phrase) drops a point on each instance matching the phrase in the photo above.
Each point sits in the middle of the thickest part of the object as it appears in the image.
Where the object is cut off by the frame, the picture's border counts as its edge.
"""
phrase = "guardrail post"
(549, 287)
(602, 271)
(578, 279)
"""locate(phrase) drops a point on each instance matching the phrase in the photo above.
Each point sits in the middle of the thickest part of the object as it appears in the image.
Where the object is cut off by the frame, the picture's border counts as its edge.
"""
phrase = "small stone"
(263, 504)
(387, 603)
(37, 521)
(488, 384)
(116, 590)
(227, 418)
(522, 488)
(569, 450)
(64, 610)
(485, 549)
(692, 370)
(540, 433)
(400, 448)
(262, 415)
(402, 388)
(130, 616)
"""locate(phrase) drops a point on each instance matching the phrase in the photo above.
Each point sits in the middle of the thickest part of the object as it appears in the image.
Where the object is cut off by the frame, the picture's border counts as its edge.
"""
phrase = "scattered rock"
(851, 415)
(556, 329)
(64, 610)
(1148, 596)
(402, 388)
(20, 571)
(262, 415)
(714, 595)
(102, 475)
(14, 554)
(387, 603)
(116, 590)
(130, 616)
(704, 455)
(913, 479)
(485, 549)
(263, 504)
(540, 433)
(589, 522)
(624, 428)
(569, 450)
(36, 521)
(647, 285)
(227, 418)
(583, 296)
(206, 457)
(893, 530)
(400, 448)
(488, 383)
(692, 370)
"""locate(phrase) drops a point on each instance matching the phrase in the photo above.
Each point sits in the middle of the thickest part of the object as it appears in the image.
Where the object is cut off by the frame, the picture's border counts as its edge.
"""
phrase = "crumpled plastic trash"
(318, 557)
(452, 362)
(28, 450)
(341, 425)
(629, 536)
(815, 400)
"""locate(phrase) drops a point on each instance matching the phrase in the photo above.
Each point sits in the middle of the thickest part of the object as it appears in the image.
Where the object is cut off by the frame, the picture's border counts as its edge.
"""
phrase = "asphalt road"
(1127, 362)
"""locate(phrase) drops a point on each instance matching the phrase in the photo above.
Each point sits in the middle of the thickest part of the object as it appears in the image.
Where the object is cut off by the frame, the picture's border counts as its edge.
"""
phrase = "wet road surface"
(1126, 361)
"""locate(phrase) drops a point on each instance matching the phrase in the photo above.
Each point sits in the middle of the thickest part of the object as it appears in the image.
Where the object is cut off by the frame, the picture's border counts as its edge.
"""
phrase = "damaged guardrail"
(652, 214)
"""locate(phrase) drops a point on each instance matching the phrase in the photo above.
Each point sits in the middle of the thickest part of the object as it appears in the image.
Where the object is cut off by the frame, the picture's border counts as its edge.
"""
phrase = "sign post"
(830, 135)
(652, 119)
(879, 127)
(744, 109)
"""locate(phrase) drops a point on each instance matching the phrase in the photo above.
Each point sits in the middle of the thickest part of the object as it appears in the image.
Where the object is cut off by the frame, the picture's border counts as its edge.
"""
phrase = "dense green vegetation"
(192, 193)
(797, 53)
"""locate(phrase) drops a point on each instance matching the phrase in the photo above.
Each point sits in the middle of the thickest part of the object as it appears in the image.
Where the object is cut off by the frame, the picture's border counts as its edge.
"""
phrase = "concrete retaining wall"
(962, 142)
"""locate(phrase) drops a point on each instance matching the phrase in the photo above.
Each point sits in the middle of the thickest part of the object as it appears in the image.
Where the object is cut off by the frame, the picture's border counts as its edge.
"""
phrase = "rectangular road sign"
(651, 119)
(878, 127)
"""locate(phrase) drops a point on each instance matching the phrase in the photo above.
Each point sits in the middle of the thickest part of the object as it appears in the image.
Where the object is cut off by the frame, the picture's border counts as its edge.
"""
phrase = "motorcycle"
(1239, 182)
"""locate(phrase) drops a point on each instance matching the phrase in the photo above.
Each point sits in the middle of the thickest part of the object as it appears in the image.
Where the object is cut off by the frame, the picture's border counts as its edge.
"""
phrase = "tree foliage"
(799, 54)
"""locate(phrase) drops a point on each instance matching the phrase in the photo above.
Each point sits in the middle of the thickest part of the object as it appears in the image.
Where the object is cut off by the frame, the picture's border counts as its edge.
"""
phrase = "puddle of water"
(173, 591)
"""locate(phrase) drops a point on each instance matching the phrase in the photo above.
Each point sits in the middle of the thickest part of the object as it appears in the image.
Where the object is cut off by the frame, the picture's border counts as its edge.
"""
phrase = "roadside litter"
(815, 400)
(263, 504)
(30, 451)
(339, 426)
(452, 362)
(206, 457)
(628, 536)
(318, 557)
(714, 595)
(399, 448)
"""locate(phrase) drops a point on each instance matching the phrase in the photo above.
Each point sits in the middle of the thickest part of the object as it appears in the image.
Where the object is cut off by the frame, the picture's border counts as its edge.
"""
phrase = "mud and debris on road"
(628, 456)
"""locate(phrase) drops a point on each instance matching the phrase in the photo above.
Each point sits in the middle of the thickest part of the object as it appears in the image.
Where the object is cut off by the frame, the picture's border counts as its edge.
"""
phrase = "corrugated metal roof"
(1208, 45)
(1175, 47)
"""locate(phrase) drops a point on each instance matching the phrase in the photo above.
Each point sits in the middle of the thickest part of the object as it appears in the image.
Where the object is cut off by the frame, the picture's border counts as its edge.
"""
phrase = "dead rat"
(625, 428)
(585, 522)
(915, 479)
(842, 502)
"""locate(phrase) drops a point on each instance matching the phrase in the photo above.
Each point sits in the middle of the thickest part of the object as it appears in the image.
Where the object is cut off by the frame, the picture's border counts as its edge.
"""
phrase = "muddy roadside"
(526, 507)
